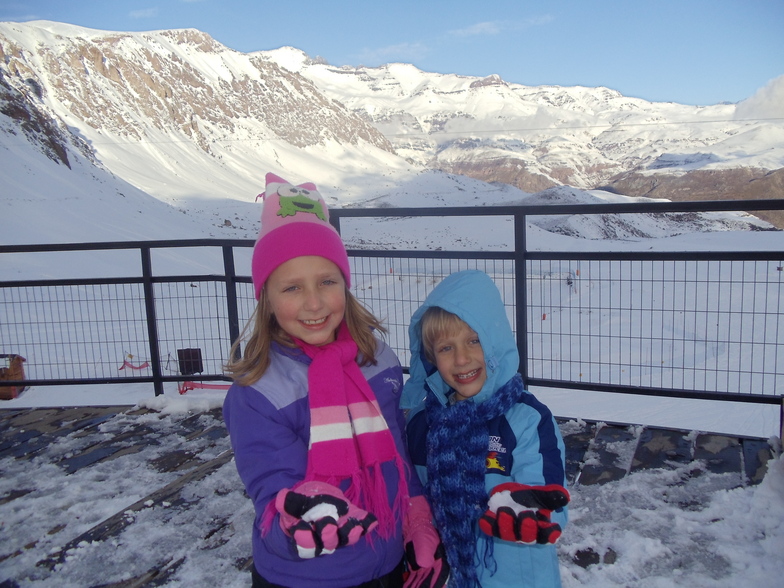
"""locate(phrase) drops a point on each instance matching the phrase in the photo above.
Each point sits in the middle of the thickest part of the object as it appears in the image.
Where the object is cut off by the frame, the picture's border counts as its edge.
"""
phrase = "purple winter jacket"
(269, 427)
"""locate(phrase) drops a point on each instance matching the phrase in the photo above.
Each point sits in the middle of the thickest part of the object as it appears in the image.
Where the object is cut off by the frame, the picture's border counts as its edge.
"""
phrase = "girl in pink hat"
(314, 419)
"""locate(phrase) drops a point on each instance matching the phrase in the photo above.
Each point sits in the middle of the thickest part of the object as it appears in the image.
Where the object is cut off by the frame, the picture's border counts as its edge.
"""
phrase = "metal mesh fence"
(100, 331)
(192, 316)
(392, 288)
(678, 322)
(714, 325)
(89, 331)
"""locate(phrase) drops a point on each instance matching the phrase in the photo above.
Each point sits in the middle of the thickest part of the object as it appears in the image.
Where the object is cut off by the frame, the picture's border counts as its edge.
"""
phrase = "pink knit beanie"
(294, 222)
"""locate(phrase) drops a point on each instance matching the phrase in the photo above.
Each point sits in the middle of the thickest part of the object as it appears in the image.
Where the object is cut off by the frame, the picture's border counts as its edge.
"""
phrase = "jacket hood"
(473, 296)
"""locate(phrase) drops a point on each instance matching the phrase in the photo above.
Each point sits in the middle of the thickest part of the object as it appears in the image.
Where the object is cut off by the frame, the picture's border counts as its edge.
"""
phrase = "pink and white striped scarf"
(349, 437)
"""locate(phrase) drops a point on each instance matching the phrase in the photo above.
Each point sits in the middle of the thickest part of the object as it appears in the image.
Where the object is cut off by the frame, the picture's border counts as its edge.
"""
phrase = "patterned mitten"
(521, 513)
(427, 567)
(320, 518)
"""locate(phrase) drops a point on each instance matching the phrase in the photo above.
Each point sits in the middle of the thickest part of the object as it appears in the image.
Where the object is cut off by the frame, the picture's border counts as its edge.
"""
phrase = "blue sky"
(687, 51)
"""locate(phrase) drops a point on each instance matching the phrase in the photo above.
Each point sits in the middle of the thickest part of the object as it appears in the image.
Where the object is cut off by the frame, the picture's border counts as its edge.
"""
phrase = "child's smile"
(469, 377)
(307, 295)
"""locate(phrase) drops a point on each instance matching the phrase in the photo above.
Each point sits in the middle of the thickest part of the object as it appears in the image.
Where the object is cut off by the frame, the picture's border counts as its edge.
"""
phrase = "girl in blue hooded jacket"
(489, 453)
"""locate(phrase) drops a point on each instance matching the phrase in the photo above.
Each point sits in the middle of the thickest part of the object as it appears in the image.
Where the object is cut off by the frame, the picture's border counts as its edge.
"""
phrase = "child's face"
(307, 295)
(461, 361)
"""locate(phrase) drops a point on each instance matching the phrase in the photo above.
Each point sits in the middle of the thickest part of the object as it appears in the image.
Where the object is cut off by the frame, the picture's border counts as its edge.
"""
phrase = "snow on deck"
(120, 496)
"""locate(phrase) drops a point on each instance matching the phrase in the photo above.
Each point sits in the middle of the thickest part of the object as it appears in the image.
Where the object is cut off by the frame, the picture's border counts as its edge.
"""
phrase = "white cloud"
(537, 21)
(767, 102)
(414, 51)
(145, 13)
(480, 28)
(498, 27)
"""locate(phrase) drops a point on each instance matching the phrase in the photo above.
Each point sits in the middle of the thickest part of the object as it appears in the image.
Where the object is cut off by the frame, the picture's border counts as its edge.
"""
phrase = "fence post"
(152, 321)
(521, 292)
(781, 418)
(334, 220)
(231, 297)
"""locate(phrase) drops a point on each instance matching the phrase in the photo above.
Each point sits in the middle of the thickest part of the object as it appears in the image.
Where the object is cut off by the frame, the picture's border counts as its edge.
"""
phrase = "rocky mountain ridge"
(538, 137)
(194, 124)
(181, 103)
(96, 81)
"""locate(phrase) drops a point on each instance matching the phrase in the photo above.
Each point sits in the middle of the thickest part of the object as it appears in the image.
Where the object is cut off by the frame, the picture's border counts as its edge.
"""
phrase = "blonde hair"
(264, 330)
(437, 323)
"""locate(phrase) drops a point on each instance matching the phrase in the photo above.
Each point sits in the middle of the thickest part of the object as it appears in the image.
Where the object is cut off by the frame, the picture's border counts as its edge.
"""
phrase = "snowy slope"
(184, 118)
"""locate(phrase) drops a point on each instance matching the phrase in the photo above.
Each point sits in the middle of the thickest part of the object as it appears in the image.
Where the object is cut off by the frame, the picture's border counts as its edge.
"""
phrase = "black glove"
(521, 513)
(319, 518)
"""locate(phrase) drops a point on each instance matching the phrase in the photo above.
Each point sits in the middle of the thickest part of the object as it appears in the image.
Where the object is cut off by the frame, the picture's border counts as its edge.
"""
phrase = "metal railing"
(686, 324)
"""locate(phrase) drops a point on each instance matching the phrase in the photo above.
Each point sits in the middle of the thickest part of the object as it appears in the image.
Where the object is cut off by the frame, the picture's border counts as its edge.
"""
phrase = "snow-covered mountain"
(178, 100)
(538, 137)
(176, 123)
(177, 117)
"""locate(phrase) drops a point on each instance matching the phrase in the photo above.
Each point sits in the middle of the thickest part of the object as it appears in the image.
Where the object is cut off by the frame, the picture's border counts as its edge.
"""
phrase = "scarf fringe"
(267, 518)
(488, 558)
(368, 490)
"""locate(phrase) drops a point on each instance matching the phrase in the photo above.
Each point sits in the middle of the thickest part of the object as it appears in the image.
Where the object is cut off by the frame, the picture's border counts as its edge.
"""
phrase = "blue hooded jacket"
(525, 444)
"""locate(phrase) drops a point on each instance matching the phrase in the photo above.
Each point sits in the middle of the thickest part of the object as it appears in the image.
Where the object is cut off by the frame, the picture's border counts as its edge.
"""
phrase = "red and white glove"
(521, 513)
(319, 518)
(425, 556)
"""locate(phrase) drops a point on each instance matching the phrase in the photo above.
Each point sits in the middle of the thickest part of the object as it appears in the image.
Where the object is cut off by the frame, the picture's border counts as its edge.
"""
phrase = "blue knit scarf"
(457, 445)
